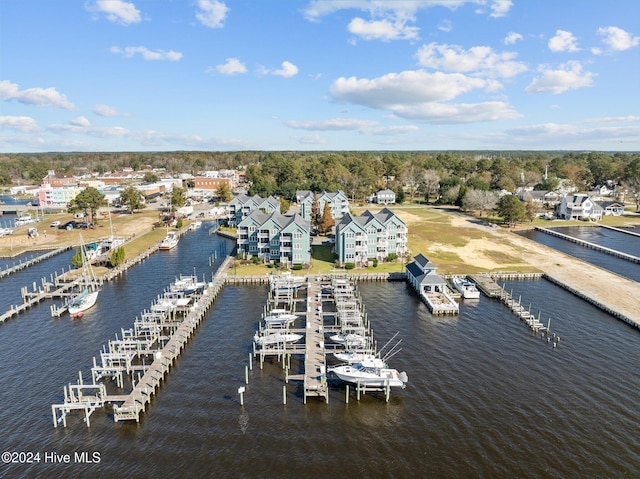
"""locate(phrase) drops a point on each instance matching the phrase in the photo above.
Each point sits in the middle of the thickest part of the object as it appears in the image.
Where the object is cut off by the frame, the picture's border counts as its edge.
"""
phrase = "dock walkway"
(315, 360)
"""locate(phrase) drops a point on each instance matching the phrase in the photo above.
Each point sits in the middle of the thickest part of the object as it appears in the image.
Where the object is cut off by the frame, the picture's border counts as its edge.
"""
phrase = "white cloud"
(568, 76)
(317, 9)
(419, 95)
(34, 96)
(563, 41)
(212, 13)
(287, 70)
(445, 26)
(384, 29)
(24, 124)
(118, 11)
(481, 60)
(499, 8)
(129, 52)
(105, 110)
(336, 124)
(367, 127)
(80, 121)
(617, 39)
(435, 112)
(390, 20)
(309, 139)
(511, 38)
(232, 66)
(413, 86)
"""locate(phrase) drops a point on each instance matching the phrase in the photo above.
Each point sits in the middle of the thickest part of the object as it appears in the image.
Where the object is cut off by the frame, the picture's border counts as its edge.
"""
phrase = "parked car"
(69, 225)
(54, 224)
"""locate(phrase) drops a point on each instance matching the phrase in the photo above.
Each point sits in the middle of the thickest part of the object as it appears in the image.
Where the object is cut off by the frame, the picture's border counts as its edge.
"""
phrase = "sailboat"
(86, 298)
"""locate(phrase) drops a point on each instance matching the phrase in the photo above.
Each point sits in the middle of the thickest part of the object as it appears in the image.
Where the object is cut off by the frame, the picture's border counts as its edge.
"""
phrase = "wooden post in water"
(346, 395)
(241, 393)
(246, 374)
(284, 395)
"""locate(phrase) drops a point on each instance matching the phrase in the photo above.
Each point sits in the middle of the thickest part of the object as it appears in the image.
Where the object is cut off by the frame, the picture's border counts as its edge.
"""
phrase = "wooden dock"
(315, 359)
(149, 339)
(22, 265)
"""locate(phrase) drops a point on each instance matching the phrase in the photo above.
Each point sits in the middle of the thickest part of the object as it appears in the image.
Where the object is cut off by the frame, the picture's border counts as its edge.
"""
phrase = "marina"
(466, 408)
(334, 322)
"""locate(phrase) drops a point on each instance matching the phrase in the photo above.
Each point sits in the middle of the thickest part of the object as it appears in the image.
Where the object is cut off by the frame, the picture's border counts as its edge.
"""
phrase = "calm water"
(610, 239)
(486, 398)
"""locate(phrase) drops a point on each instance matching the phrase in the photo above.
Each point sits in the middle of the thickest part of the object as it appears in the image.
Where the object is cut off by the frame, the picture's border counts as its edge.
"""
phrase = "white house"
(579, 207)
(385, 197)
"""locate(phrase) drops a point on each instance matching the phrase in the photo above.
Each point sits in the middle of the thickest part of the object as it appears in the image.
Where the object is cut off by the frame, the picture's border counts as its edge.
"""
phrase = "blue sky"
(151, 75)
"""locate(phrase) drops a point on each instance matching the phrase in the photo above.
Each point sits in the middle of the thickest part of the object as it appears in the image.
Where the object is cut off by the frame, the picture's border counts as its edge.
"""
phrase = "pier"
(587, 244)
(332, 306)
(22, 265)
(159, 337)
(492, 289)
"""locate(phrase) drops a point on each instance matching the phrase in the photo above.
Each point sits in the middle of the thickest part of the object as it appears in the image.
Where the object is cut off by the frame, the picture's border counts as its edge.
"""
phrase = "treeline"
(359, 174)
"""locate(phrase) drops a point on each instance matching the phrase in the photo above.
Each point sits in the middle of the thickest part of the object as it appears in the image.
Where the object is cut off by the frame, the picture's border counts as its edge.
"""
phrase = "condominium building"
(338, 203)
(275, 238)
(242, 205)
(370, 236)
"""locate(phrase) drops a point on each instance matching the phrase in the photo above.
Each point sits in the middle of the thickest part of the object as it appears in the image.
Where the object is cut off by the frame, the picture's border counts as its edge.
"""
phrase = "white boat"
(276, 338)
(349, 340)
(372, 372)
(465, 287)
(169, 241)
(195, 225)
(353, 357)
(279, 318)
(86, 298)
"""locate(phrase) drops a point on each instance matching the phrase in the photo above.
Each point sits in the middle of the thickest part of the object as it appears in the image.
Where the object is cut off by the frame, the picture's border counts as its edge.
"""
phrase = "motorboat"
(352, 357)
(279, 318)
(372, 373)
(276, 338)
(349, 340)
(169, 241)
(466, 288)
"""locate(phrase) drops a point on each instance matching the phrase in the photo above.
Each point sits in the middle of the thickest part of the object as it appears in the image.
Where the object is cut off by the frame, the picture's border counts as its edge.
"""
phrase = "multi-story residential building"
(370, 236)
(58, 180)
(275, 238)
(385, 197)
(51, 197)
(338, 203)
(579, 207)
(242, 205)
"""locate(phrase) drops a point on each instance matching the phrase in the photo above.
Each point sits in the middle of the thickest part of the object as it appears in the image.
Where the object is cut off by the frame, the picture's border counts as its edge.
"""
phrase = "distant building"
(57, 180)
(338, 203)
(52, 197)
(211, 184)
(370, 236)
(550, 198)
(385, 197)
(579, 207)
(611, 208)
(242, 205)
(275, 238)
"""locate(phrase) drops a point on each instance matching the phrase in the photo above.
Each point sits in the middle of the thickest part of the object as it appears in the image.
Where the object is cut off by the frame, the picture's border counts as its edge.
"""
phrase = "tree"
(451, 194)
(479, 200)
(117, 256)
(315, 212)
(633, 185)
(150, 177)
(327, 221)
(224, 193)
(431, 183)
(131, 198)
(400, 195)
(77, 258)
(88, 201)
(178, 197)
(511, 209)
